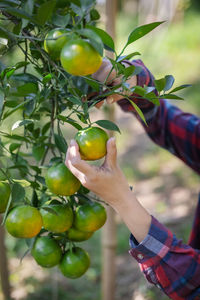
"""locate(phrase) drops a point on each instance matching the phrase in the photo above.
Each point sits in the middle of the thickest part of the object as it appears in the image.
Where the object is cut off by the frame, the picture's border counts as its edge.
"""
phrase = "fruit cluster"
(78, 57)
(56, 225)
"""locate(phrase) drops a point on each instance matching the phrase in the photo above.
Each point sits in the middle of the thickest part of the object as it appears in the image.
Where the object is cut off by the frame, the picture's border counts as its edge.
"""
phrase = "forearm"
(133, 214)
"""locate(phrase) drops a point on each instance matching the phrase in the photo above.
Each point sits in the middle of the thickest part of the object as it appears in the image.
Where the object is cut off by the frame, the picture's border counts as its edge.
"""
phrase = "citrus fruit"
(61, 181)
(24, 221)
(46, 251)
(89, 217)
(75, 263)
(78, 57)
(76, 235)
(92, 143)
(57, 217)
(4, 196)
(54, 42)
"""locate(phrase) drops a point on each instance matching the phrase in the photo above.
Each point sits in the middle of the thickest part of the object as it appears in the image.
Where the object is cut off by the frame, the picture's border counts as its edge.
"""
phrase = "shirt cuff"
(143, 78)
(155, 245)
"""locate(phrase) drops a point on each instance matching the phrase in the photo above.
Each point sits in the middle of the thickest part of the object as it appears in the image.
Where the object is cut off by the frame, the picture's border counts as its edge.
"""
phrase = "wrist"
(134, 215)
(122, 201)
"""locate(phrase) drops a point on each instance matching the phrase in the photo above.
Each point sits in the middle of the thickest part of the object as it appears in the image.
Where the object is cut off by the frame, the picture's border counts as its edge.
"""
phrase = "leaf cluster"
(39, 99)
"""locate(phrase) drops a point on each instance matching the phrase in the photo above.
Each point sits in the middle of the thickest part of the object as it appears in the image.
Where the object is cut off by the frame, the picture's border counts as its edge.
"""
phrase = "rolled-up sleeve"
(168, 263)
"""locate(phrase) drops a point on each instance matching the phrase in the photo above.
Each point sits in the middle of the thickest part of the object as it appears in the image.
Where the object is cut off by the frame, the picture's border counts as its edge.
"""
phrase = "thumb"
(111, 156)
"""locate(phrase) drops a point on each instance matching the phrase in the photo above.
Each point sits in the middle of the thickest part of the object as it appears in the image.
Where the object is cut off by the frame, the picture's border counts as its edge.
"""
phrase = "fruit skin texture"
(78, 57)
(4, 196)
(89, 217)
(92, 143)
(60, 221)
(24, 221)
(61, 181)
(46, 251)
(76, 235)
(54, 47)
(75, 263)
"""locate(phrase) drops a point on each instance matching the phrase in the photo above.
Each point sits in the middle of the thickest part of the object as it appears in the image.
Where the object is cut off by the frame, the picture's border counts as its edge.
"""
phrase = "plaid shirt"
(165, 260)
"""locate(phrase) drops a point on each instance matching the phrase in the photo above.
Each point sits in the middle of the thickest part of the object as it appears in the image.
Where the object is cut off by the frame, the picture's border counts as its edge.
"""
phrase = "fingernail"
(72, 143)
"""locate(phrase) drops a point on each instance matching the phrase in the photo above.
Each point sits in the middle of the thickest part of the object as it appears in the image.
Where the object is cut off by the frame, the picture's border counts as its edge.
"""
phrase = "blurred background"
(163, 184)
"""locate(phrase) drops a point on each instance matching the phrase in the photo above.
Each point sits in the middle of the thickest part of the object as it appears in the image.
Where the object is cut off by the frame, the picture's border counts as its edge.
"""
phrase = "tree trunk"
(4, 274)
(109, 229)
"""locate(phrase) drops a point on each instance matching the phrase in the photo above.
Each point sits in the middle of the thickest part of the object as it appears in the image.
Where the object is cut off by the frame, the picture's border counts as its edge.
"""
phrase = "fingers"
(74, 162)
(113, 98)
(99, 104)
(111, 156)
(104, 71)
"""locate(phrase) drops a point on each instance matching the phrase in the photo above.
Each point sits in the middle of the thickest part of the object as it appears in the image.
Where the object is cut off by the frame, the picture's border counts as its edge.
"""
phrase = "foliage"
(46, 98)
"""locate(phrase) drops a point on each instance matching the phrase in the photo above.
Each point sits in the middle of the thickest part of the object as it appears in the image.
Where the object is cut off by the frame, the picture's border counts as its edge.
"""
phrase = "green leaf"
(38, 152)
(169, 82)
(26, 77)
(94, 14)
(138, 110)
(129, 71)
(11, 2)
(94, 39)
(105, 37)
(47, 78)
(55, 160)
(71, 122)
(28, 8)
(128, 56)
(6, 34)
(17, 28)
(30, 104)
(19, 106)
(19, 13)
(18, 193)
(21, 64)
(1, 101)
(14, 146)
(22, 182)
(45, 12)
(61, 21)
(15, 137)
(34, 199)
(20, 123)
(26, 89)
(153, 98)
(108, 125)
(76, 2)
(180, 88)
(11, 103)
(40, 179)
(140, 31)
(139, 90)
(46, 128)
(60, 143)
(75, 100)
(171, 96)
(94, 84)
(160, 84)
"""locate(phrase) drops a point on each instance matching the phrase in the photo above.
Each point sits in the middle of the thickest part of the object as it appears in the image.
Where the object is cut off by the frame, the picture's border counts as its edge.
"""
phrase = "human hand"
(111, 78)
(107, 181)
